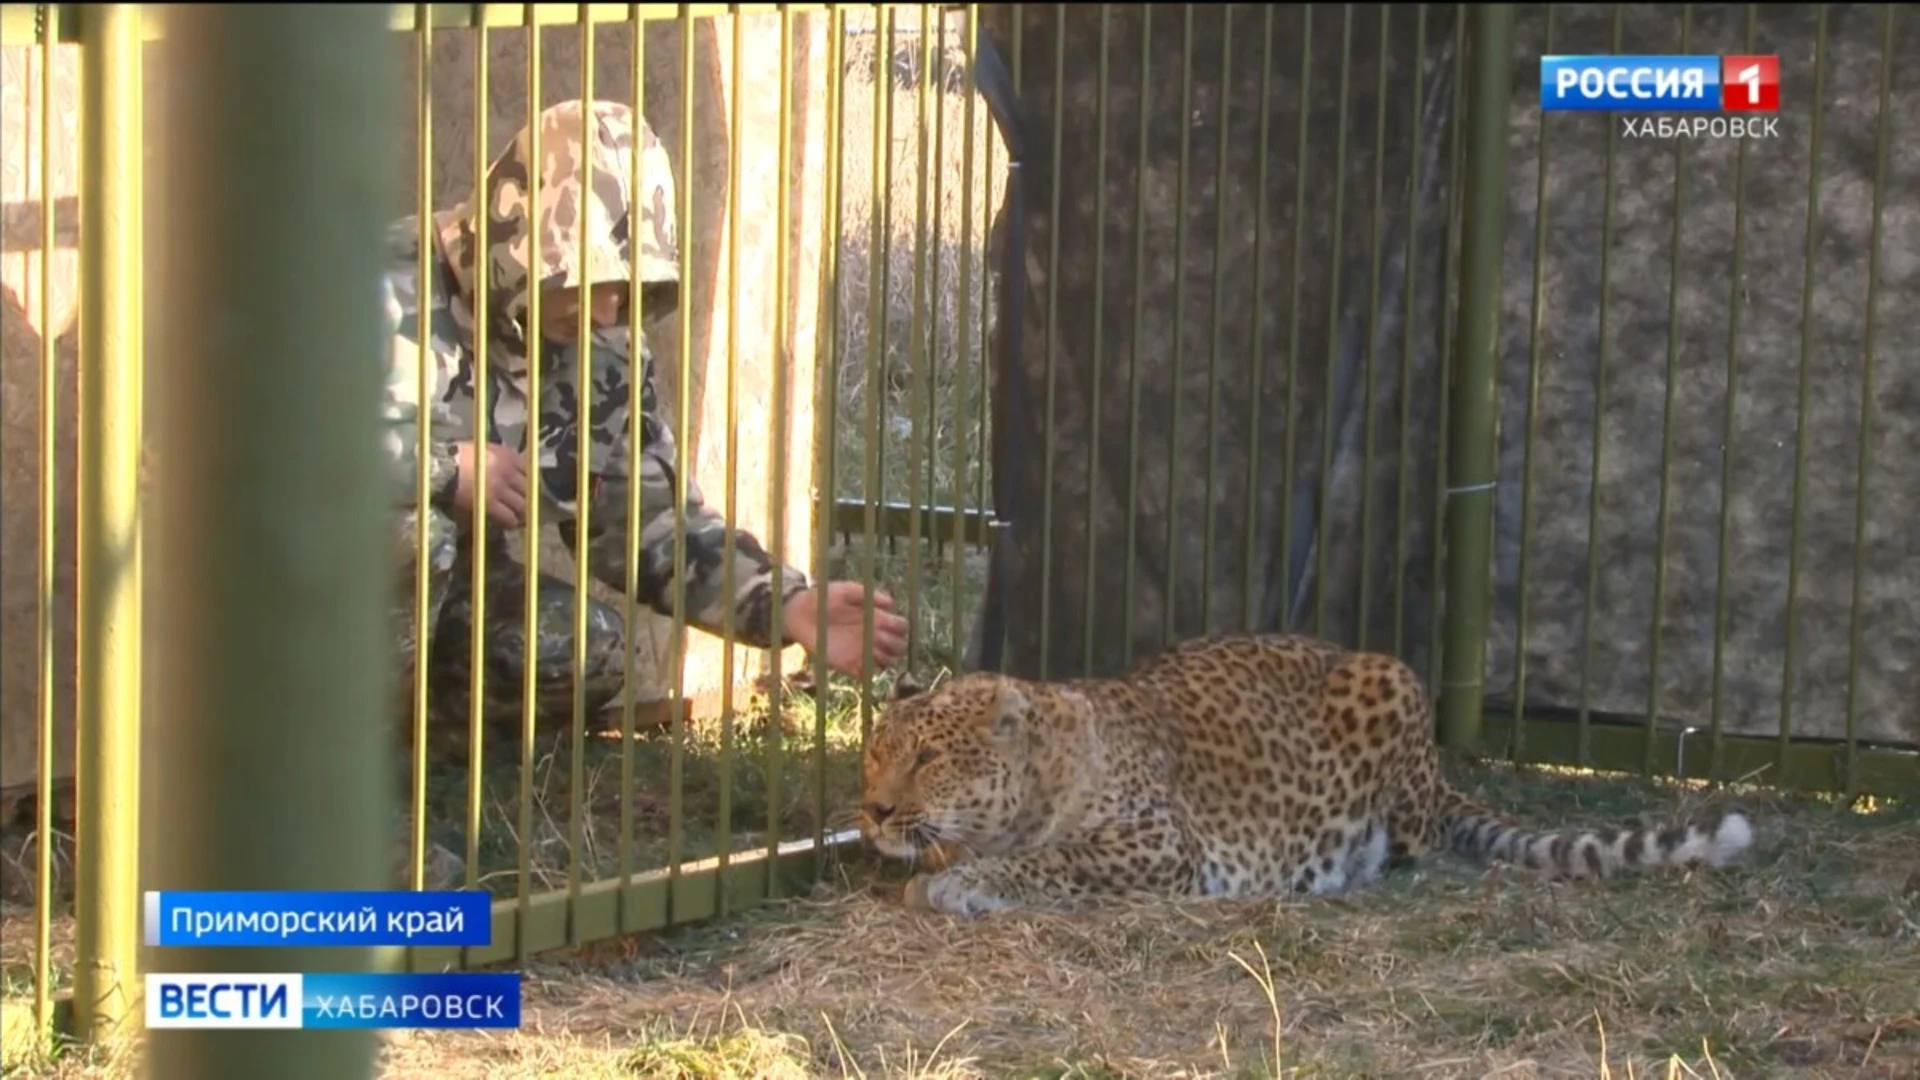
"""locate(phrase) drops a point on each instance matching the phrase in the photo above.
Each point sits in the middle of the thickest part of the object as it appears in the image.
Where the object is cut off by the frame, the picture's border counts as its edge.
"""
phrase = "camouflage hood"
(585, 186)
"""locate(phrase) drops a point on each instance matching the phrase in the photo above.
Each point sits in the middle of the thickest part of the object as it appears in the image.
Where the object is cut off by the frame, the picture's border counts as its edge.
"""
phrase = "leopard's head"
(952, 767)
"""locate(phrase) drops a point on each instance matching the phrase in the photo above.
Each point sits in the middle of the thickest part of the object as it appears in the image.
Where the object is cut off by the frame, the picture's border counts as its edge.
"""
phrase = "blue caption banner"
(252, 919)
(1630, 84)
(322, 1001)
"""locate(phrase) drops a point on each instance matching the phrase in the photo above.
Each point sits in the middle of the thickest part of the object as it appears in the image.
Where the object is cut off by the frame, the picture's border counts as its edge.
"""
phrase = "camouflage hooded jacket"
(624, 233)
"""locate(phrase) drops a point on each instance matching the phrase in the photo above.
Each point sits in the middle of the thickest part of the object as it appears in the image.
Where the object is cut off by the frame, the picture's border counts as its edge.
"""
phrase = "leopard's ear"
(1007, 718)
(906, 686)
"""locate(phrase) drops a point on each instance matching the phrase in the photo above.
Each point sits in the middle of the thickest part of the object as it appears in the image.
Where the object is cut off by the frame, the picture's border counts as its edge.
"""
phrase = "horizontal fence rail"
(1076, 330)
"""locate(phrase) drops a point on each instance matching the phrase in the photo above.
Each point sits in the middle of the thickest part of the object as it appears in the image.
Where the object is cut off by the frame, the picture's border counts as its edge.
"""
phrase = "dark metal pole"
(271, 750)
(106, 895)
(1470, 462)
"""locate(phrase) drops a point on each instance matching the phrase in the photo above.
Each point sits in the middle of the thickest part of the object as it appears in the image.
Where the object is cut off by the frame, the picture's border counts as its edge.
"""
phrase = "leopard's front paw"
(950, 893)
(915, 895)
(938, 857)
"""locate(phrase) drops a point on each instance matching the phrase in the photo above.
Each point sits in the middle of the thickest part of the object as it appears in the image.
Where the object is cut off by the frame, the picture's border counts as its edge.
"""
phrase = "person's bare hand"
(506, 499)
(844, 646)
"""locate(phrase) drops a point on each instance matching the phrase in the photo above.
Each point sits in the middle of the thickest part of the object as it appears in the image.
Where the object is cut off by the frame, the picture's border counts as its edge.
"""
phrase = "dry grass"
(725, 799)
(725, 796)
(1803, 962)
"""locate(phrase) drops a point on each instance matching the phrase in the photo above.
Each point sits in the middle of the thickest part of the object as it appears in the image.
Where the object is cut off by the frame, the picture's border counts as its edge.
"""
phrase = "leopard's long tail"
(1481, 834)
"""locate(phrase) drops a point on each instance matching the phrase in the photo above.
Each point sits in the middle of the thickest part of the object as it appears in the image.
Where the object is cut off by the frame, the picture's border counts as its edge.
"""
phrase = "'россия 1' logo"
(1749, 84)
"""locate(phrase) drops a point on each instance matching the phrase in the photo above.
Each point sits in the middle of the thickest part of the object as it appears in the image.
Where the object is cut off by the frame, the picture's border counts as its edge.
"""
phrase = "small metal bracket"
(1680, 751)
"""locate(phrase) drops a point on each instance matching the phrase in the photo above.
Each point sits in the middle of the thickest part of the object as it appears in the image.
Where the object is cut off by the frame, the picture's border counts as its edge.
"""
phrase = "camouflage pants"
(504, 655)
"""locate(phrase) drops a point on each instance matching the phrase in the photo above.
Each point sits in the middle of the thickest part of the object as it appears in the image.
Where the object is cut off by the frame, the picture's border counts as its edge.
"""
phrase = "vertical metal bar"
(1053, 339)
(1373, 319)
(938, 202)
(1053, 350)
(1789, 667)
(1139, 327)
(984, 364)
(1300, 161)
(1415, 116)
(782, 354)
(636, 411)
(1329, 420)
(482, 435)
(279, 193)
(983, 388)
(1449, 279)
(423, 446)
(43, 593)
(887, 362)
(683, 389)
(879, 273)
(963, 329)
(1471, 472)
(1652, 719)
(1864, 465)
(826, 426)
(1537, 314)
(1210, 528)
(1257, 354)
(962, 298)
(886, 45)
(983, 394)
(530, 656)
(582, 485)
(1171, 587)
(1599, 425)
(106, 870)
(920, 356)
(723, 839)
(1736, 288)
(1098, 359)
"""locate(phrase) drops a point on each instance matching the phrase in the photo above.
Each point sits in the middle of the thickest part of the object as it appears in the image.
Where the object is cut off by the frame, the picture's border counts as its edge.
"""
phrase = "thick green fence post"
(106, 903)
(1470, 451)
(277, 766)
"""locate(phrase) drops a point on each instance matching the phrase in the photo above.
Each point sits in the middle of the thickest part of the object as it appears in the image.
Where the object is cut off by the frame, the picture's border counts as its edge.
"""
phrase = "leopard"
(1231, 766)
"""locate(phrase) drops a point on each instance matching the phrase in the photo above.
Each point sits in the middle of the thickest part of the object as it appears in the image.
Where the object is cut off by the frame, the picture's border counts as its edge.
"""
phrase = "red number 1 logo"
(1750, 84)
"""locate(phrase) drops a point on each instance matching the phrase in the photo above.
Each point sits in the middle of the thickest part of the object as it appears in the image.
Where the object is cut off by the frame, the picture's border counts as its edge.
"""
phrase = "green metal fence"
(737, 801)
